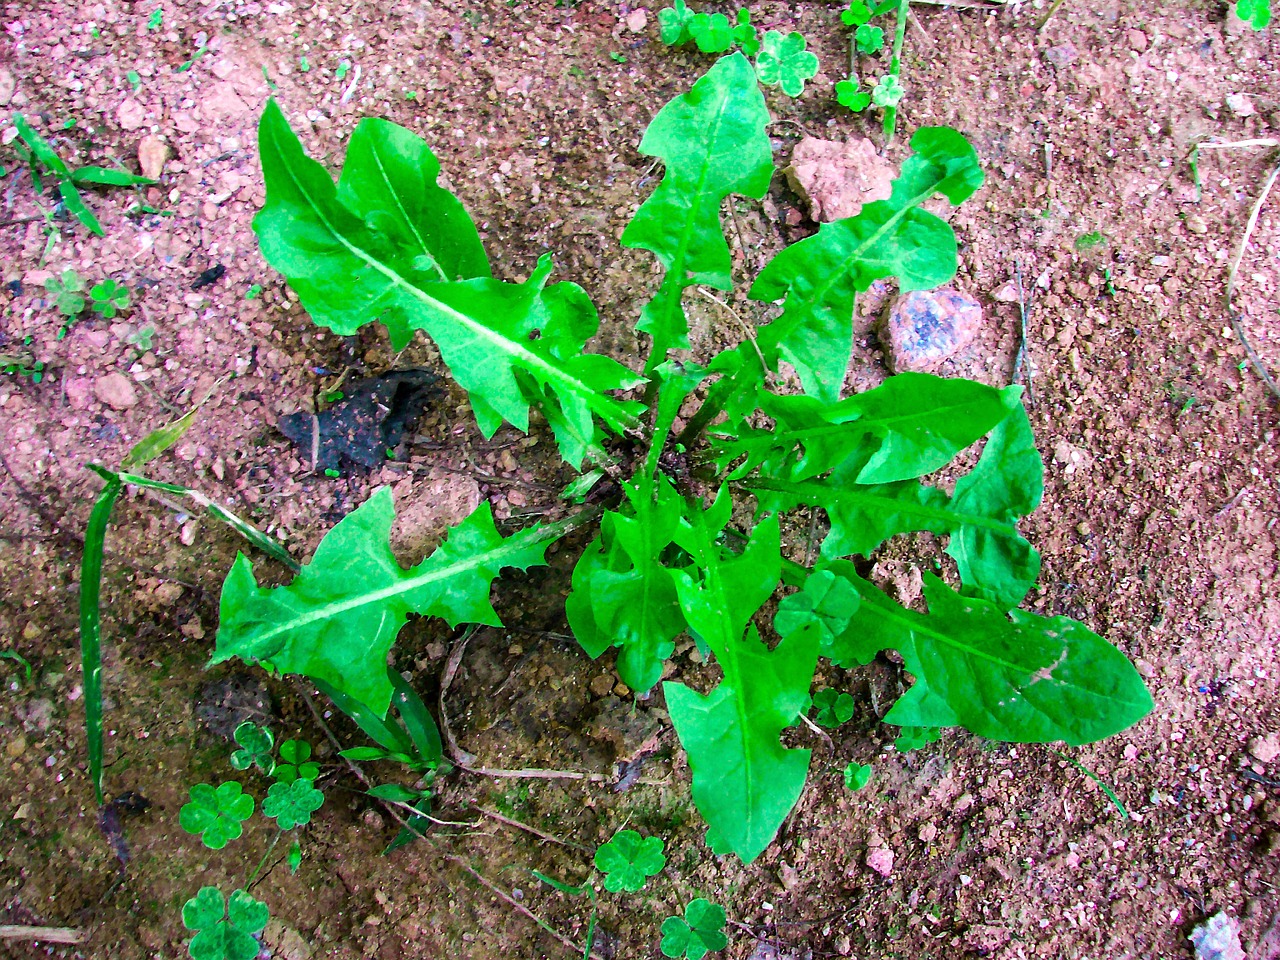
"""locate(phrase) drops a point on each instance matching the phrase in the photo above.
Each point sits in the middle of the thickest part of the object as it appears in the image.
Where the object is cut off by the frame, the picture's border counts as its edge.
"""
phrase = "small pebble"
(1265, 748)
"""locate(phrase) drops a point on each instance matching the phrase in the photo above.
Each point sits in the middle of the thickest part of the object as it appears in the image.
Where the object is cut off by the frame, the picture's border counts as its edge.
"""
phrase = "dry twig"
(1256, 360)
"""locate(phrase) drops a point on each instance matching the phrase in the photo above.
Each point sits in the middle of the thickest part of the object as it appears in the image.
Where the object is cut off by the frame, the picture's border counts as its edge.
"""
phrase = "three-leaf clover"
(295, 762)
(826, 601)
(784, 62)
(68, 293)
(255, 748)
(856, 776)
(216, 814)
(109, 298)
(849, 95)
(887, 92)
(711, 32)
(700, 932)
(224, 928)
(744, 34)
(628, 860)
(1257, 13)
(856, 14)
(831, 708)
(291, 804)
(868, 39)
(673, 23)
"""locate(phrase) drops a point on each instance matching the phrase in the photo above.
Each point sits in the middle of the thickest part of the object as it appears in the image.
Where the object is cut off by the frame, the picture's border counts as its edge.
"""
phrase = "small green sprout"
(887, 93)
(1256, 13)
(224, 928)
(156, 20)
(216, 814)
(255, 748)
(295, 856)
(253, 292)
(744, 34)
(141, 337)
(135, 81)
(618, 57)
(700, 931)
(868, 39)
(291, 804)
(856, 776)
(832, 708)
(784, 62)
(341, 72)
(304, 65)
(109, 298)
(68, 294)
(628, 860)
(848, 94)
(295, 762)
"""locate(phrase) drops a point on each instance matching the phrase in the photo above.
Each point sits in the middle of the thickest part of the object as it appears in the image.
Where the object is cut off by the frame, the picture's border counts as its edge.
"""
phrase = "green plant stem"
(718, 396)
(1111, 794)
(895, 65)
(91, 628)
(261, 863)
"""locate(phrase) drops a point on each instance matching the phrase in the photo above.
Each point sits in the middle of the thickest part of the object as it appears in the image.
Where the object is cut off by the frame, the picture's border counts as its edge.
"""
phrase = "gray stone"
(927, 327)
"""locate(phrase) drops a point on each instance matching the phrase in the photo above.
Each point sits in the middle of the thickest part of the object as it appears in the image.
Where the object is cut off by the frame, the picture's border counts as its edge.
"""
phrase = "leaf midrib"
(598, 403)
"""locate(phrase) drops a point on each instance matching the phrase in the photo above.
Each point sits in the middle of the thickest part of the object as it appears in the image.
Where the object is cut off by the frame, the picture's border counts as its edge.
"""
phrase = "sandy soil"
(1158, 527)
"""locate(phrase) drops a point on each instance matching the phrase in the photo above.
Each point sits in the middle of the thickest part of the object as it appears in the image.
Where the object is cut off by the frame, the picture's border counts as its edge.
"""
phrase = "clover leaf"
(109, 298)
(711, 32)
(856, 776)
(224, 929)
(700, 932)
(673, 24)
(783, 61)
(832, 708)
(255, 748)
(887, 92)
(868, 39)
(628, 860)
(291, 804)
(295, 762)
(216, 814)
(744, 34)
(848, 95)
(68, 293)
(1257, 13)
(857, 14)
(826, 601)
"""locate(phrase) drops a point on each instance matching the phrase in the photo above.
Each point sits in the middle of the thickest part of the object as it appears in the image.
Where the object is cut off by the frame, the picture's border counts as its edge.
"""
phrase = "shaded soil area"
(1158, 527)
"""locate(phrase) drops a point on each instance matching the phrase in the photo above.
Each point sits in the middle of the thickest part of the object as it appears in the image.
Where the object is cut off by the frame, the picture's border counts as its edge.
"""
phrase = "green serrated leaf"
(1028, 679)
(910, 425)
(819, 276)
(784, 62)
(713, 142)
(628, 860)
(622, 593)
(744, 781)
(351, 261)
(338, 618)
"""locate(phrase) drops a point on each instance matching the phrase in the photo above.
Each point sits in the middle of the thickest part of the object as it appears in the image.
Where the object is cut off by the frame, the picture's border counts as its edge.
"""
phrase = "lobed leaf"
(744, 781)
(712, 140)
(820, 276)
(387, 244)
(337, 619)
(1020, 678)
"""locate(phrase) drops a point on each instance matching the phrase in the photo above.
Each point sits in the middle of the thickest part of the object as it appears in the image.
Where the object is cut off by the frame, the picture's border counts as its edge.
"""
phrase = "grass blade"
(90, 625)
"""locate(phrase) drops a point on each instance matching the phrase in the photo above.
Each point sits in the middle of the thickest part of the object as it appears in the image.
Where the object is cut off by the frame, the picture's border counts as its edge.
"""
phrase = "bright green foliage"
(629, 860)
(995, 561)
(819, 276)
(673, 24)
(744, 781)
(156, 19)
(386, 243)
(295, 856)
(295, 762)
(713, 142)
(291, 804)
(256, 744)
(831, 708)
(711, 32)
(109, 298)
(744, 34)
(849, 94)
(623, 594)
(700, 932)
(338, 618)
(868, 39)
(1257, 13)
(216, 814)
(856, 776)
(784, 62)
(825, 604)
(887, 93)
(224, 927)
(1019, 678)
(67, 291)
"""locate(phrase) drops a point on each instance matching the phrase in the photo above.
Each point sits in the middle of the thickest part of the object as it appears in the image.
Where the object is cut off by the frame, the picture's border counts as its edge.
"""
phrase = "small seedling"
(831, 708)
(156, 20)
(188, 64)
(628, 860)
(22, 363)
(253, 292)
(856, 776)
(224, 927)
(109, 298)
(140, 338)
(304, 65)
(216, 814)
(291, 804)
(698, 933)
(18, 659)
(67, 291)
(784, 62)
(256, 744)
(1256, 13)
(135, 81)
(295, 762)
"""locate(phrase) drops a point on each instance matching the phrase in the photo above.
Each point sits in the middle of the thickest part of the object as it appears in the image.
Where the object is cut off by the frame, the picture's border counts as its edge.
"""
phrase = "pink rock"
(926, 327)
(837, 177)
(131, 115)
(880, 859)
(116, 391)
(78, 392)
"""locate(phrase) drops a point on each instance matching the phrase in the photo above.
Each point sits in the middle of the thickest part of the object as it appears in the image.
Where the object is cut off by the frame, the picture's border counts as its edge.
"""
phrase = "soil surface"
(1158, 527)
